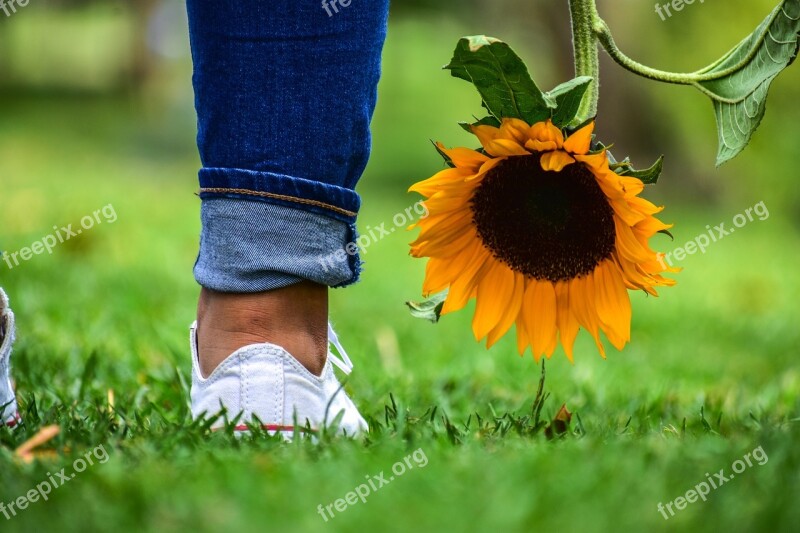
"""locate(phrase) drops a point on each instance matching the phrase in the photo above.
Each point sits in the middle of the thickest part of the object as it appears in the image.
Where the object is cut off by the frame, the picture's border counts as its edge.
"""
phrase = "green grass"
(110, 311)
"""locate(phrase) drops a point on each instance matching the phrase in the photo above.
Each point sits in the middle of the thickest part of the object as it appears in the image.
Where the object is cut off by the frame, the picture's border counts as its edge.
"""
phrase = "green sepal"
(447, 160)
(667, 232)
(485, 121)
(648, 175)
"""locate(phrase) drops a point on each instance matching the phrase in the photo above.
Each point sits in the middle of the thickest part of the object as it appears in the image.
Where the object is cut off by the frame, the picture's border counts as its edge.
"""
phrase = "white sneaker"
(9, 416)
(265, 382)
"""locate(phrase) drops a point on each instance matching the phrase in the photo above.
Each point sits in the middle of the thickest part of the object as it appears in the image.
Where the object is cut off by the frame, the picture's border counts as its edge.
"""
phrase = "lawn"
(709, 377)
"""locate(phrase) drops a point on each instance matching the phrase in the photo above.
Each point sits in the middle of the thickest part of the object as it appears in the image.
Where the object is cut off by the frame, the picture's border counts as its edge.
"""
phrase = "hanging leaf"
(430, 309)
(738, 83)
(568, 97)
(502, 79)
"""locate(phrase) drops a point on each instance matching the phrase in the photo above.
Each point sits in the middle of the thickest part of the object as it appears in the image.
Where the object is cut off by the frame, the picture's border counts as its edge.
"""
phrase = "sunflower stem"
(585, 26)
(603, 35)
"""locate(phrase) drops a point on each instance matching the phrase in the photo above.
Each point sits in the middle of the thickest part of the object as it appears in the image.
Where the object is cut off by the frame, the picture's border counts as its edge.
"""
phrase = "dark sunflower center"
(548, 225)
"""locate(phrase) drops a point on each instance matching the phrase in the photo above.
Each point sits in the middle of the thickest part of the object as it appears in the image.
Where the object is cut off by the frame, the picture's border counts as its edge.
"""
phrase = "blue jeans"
(284, 92)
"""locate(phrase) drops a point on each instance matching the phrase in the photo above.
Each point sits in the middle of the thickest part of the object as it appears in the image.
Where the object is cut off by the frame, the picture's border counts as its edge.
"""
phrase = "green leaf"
(568, 97)
(738, 83)
(430, 309)
(648, 175)
(501, 78)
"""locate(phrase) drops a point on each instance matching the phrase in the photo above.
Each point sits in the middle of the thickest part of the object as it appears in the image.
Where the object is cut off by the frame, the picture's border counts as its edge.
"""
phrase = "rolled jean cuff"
(313, 196)
(252, 243)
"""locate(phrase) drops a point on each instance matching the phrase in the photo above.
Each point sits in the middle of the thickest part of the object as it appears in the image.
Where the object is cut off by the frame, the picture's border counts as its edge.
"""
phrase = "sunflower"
(542, 233)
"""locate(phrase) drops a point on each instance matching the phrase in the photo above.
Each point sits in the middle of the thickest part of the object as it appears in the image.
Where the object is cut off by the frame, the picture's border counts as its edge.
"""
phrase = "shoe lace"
(343, 360)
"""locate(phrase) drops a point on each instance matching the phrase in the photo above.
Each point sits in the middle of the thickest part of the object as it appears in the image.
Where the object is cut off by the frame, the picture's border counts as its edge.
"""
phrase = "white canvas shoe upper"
(266, 382)
(8, 404)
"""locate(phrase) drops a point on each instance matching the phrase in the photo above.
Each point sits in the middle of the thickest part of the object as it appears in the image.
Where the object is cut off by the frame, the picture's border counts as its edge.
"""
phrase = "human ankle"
(293, 317)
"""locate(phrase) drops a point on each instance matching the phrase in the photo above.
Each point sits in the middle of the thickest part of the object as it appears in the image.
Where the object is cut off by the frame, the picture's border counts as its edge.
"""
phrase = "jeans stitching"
(220, 190)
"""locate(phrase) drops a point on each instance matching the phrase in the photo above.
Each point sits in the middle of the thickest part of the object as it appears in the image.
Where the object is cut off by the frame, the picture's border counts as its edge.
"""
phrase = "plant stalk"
(587, 59)
(603, 35)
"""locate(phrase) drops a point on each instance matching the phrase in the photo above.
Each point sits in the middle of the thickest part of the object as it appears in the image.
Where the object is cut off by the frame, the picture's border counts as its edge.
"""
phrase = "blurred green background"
(96, 108)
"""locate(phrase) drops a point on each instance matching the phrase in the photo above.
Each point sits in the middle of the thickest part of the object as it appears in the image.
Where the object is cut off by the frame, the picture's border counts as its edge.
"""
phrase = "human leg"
(284, 95)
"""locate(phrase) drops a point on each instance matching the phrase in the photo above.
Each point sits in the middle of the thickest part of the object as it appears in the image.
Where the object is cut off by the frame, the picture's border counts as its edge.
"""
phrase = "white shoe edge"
(9, 415)
(230, 385)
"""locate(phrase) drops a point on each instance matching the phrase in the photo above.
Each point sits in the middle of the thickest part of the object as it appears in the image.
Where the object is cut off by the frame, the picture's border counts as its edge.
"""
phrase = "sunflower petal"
(445, 246)
(613, 304)
(505, 147)
(632, 186)
(510, 312)
(485, 168)
(514, 128)
(556, 161)
(567, 323)
(464, 157)
(446, 201)
(463, 287)
(485, 133)
(435, 224)
(628, 214)
(541, 146)
(439, 274)
(547, 134)
(580, 141)
(540, 316)
(627, 244)
(598, 161)
(494, 290)
(634, 278)
(582, 295)
(450, 177)
(651, 225)
(643, 206)
(522, 335)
